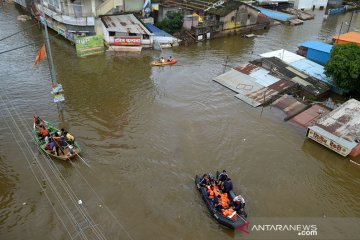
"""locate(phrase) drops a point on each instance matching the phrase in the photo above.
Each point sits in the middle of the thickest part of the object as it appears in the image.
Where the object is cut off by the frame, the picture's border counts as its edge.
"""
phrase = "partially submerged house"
(316, 51)
(254, 85)
(310, 86)
(303, 65)
(339, 130)
(206, 19)
(125, 32)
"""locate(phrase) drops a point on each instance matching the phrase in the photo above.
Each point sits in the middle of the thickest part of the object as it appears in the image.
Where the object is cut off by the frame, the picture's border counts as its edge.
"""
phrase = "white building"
(125, 32)
(72, 18)
(310, 4)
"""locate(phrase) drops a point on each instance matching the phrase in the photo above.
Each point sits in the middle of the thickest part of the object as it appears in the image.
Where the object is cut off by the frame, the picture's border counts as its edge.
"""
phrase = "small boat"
(218, 215)
(68, 151)
(159, 63)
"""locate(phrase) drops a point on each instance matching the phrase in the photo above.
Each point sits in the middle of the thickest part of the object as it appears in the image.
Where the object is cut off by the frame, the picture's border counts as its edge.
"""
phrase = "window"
(111, 34)
(145, 36)
(132, 34)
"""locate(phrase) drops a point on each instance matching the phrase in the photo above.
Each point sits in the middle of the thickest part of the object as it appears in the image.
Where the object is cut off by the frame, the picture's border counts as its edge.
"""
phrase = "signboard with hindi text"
(336, 147)
(127, 41)
(89, 45)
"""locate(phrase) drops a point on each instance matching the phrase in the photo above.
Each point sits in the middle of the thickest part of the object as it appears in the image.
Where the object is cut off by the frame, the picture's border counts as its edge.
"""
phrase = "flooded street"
(146, 132)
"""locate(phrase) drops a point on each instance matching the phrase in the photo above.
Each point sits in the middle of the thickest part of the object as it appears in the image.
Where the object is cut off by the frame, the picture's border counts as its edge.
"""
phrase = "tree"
(344, 66)
(172, 23)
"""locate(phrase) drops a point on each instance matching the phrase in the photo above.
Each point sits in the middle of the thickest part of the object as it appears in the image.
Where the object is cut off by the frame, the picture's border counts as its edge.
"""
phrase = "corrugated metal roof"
(309, 117)
(284, 55)
(320, 46)
(284, 70)
(263, 77)
(343, 122)
(349, 37)
(265, 94)
(313, 69)
(305, 65)
(126, 23)
(276, 15)
(289, 105)
(238, 82)
(157, 31)
(339, 140)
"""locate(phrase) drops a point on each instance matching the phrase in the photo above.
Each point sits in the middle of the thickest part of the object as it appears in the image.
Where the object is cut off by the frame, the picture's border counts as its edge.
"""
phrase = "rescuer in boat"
(43, 132)
(221, 178)
(170, 59)
(205, 181)
(227, 186)
(239, 204)
(162, 60)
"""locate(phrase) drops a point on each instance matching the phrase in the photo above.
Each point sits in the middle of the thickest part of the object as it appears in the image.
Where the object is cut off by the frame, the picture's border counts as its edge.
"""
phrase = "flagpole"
(48, 48)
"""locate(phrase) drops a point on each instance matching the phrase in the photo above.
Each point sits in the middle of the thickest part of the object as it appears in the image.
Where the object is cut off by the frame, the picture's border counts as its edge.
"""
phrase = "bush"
(344, 67)
(172, 23)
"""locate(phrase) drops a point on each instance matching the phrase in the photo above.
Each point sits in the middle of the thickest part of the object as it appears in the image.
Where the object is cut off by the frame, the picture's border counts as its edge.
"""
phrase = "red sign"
(127, 41)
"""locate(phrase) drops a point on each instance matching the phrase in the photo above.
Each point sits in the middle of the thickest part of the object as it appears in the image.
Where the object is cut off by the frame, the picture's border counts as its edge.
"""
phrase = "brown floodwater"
(145, 132)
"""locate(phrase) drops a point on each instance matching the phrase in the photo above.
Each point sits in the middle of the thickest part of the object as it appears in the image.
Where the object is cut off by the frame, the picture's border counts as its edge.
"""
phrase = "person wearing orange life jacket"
(211, 192)
(230, 213)
(224, 200)
(43, 132)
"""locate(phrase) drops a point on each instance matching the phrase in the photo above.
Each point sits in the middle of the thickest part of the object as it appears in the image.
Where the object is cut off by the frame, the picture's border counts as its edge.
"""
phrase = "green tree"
(344, 66)
(172, 22)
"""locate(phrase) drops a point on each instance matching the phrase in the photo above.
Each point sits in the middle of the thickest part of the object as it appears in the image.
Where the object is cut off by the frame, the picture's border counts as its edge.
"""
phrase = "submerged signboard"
(127, 41)
(336, 147)
(89, 45)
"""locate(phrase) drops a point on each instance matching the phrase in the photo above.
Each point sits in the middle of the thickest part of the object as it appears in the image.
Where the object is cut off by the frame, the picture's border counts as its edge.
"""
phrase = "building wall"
(309, 4)
(317, 56)
(242, 17)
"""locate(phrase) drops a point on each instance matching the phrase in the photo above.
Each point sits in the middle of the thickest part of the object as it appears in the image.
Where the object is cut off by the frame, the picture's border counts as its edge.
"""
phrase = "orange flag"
(41, 55)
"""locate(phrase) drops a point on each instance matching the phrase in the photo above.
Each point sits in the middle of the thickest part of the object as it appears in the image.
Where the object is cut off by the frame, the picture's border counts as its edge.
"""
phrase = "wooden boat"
(218, 215)
(159, 63)
(69, 151)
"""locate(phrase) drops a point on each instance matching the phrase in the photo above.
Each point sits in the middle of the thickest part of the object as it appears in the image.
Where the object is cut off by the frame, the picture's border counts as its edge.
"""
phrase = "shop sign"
(127, 41)
(344, 151)
(89, 45)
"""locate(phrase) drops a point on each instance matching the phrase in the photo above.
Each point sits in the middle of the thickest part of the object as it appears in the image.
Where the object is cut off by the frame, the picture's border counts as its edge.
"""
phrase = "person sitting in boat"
(222, 177)
(51, 145)
(43, 132)
(230, 213)
(39, 123)
(162, 60)
(224, 200)
(205, 181)
(69, 138)
(227, 186)
(211, 192)
(217, 202)
(170, 59)
(239, 204)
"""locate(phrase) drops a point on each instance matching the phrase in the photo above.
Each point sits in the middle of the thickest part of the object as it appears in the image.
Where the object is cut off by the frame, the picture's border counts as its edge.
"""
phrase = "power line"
(17, 32)
(17, 48)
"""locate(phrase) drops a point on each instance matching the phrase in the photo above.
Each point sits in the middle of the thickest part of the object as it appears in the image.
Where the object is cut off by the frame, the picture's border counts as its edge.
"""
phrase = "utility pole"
(48, 49)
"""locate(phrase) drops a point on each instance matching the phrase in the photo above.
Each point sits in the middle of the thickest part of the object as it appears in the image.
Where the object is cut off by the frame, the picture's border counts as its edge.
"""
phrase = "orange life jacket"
(230, 213)
(224, 200)
(211, 194)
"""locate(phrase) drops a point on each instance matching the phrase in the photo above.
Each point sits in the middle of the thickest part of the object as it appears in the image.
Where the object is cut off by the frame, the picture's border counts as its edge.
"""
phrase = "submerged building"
(339, 130)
